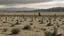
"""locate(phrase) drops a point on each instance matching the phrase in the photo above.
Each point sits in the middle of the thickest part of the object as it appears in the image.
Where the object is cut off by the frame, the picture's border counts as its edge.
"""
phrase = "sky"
(36, 4)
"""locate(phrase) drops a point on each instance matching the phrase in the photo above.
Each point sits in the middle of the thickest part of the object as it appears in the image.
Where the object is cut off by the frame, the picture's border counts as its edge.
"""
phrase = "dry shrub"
(5, 29)
(49, 24)
(43, 29)
(15, 31)
(12, 25)
(31, 23)
(27, 27)
(48, 33)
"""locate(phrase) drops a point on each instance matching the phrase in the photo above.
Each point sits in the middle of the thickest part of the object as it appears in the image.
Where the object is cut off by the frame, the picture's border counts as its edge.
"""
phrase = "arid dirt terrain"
(31, 23)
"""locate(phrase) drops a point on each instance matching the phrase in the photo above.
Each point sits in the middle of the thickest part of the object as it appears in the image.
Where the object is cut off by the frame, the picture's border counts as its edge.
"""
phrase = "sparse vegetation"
(39, 20)
(31, 23)
(12, 25)
(48, 33)
(49, 24)
(31, 19)
(42, 21)
(55, 29)
(17, 23)
(34, 27)
(15, 31)
(5, 29)
(24, 19)
(37, 31)
(27, 27)
(43, 29)
(58, 25)
(39, 14)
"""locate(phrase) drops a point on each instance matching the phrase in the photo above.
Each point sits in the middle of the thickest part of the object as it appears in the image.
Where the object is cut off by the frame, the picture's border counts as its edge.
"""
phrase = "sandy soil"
(38, 24)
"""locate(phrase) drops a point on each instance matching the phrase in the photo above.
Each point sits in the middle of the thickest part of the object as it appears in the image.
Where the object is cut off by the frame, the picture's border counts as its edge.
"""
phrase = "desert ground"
(31, 23)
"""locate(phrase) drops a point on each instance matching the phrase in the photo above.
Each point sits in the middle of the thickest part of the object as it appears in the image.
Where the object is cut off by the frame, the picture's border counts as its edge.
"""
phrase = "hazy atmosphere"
(30, 4)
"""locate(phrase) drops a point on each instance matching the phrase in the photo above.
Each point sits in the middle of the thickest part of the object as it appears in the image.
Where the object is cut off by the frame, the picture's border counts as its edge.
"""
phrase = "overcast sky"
(21, 1)
(37, 4)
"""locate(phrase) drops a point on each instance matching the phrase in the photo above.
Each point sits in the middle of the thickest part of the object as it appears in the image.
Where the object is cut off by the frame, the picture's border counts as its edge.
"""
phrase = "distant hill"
(17, 9)
(55, 9)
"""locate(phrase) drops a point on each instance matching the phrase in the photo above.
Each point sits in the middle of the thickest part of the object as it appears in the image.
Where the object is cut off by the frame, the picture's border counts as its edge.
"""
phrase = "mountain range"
(54, 9)
(24, 9)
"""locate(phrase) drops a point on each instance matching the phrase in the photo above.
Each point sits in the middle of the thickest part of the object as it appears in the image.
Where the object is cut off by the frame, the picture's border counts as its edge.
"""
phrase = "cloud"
(46, 5)
(41, 5)
(21, 1)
